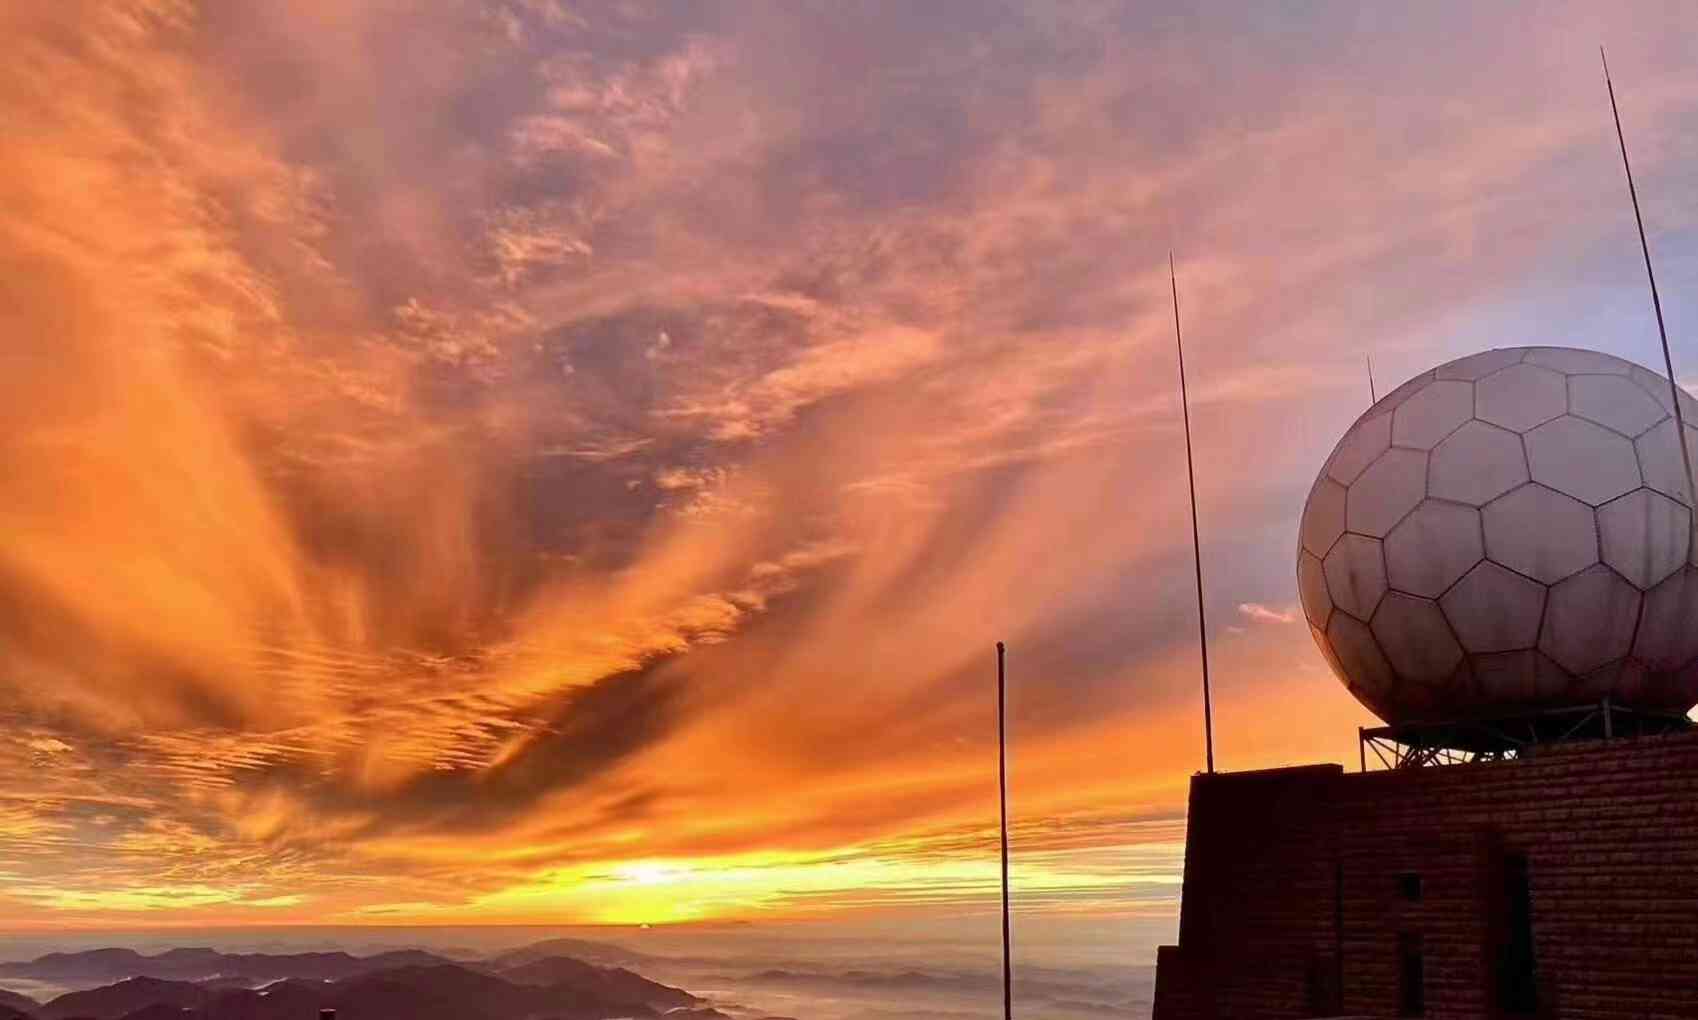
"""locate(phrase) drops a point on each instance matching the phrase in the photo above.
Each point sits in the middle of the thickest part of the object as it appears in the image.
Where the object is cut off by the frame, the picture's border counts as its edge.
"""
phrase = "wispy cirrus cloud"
(1259, 613)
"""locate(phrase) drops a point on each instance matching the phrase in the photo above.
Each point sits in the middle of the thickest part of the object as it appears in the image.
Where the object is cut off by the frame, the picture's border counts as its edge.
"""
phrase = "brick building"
(1560, 884)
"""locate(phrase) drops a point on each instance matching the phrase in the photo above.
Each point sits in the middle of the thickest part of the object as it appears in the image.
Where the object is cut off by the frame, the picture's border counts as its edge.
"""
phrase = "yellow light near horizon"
(797, 884)
(651, 874)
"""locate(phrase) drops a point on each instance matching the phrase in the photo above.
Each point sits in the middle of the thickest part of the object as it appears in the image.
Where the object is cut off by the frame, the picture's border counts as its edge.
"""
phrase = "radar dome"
(1510, 531)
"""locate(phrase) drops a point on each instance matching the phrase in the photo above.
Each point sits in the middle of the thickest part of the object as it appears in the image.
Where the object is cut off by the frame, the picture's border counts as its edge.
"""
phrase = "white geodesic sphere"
(1511, 530)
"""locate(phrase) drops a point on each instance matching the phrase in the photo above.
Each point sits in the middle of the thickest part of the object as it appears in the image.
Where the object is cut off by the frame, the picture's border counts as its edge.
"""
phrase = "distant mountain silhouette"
(125, 997)
(202, 964)
(160, 1011)
(446, 991)
(601, 953)
(615, 984)
(222, 983)
(554, 988)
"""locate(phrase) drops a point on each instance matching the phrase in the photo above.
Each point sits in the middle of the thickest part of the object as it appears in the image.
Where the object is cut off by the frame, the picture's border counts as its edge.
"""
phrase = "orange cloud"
(495, 463)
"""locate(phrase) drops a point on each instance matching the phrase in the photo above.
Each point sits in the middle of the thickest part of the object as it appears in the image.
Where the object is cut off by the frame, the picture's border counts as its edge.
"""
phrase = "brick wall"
(1294, 902)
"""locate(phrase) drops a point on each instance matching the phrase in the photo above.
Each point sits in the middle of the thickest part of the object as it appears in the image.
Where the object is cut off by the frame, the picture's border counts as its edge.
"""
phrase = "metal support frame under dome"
(1458, 742)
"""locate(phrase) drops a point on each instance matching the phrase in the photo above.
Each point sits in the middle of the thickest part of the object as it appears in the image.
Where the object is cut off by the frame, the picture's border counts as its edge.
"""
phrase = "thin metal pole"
(1196, 533)
(1373, 391)
(1651, 275)
(1002, 785)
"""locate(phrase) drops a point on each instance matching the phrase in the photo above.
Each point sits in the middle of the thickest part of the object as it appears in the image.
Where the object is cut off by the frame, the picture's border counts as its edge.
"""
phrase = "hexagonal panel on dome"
(1615, 402)
(1477, 464)
(1662, 461)
(1386, 492)
(1541, 533)
(1589, 620)
(1477, 366)
(1658, 388)
(1668, 630)
(1654, 385)
(1552, 680)
(1630, 684)
(1312, 589)
(1521, 397)
(1323, 516)
(1673, 691)
(1517, 678)
(1415, 638)
(1583, 460)
(1356, 575)
(1393, 400)
(1433, 547)
(1367, 440)
(1494, 609)
(1432, 413)
(1325, 646)
(1607, 680)
(1460, 689)
(1645, 536)
(1360, 655)
(1573, 361)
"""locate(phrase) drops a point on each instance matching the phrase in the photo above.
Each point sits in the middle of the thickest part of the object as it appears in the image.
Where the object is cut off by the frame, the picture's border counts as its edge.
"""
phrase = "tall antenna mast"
(1002, 786)
(1196, 534)
(1651, 275)
(1373, 392)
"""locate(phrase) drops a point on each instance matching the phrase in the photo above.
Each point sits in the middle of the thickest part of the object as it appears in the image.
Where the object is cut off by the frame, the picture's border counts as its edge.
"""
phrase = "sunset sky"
(554, 461)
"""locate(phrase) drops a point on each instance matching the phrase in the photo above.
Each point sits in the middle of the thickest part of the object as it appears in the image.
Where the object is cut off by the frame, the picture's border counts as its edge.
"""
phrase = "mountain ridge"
(198, 963)
(545, 988)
